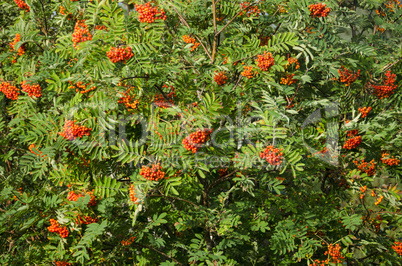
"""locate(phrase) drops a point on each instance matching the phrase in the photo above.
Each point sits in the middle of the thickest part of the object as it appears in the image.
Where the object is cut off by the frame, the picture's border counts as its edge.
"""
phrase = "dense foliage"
(203, 132)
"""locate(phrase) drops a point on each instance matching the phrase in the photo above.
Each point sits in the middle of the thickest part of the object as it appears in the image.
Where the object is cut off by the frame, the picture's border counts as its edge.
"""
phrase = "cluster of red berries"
(85, 220)
(72, 196)
(133, 198)
(353, 140)
(62, 263)
(319, 10)
(129, 101)
(347, 76)
(33, 90)
(55, 228)
(397, 247)
(188, 39)
(386, 90)
(73, 131)
(265, 61)
(148, 13)
(378, 201)
(195, 139)
(363, 190)
(334, 253)
(21, 4)
(288, 80)
(81, 33)
(21, 50)
(220, 78)
(128, 241)
(273, 156)
(249, 10)
(9, 90)
(292, 61)
(119, 54)
(153, 173)
(368, 168)
(160, 100)
(100, 27)
(389, 160)
(81, 87)
(248, 72)
(364, 111)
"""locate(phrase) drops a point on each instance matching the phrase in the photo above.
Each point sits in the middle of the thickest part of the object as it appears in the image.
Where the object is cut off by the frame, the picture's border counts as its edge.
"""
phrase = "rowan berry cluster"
(378, 201)
(81, 33)
(380, 29)
(33, 90)
(389, 160)
(72, 196)
(119, 54)
(129, 101)
(220, 78)
(85, 220)
(62, 263)
(292, 61)
(153, 173)
(55, 228)
(363, 190)
(73, 131)
(352, 142)
(265, 61)
(319, 10)
(386, 90)
(21, 4)
(81, 87)
(248, 72)
(31, 149)
(368, 168)
(352, 133)
(194, 140)
(273, 156)
(9, 90)
(347, 76)
(188, 39)
(397, 247)
(12, 44)
(128, 241)
(334, 253)
(148, 13)
(160, 100)
(288, 80)
(100, 27)
(133, 197)
(364, 111)
(249, 10)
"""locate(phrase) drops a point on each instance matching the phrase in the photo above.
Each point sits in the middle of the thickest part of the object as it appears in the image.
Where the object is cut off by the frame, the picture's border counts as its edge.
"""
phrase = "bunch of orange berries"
(9, 90)
(153, 173)
(31, 149)
(161, 102)
(81, 87)
(288, 80)
(389, 160)
(368, 168)
(292, 61)
(347, 76)
(55, 228)
(386, 90)
(62, 263)
(128, 241)
(334, 253)
(364, 111)
(249, 10)
(21, 50)
(85, 220)
(73, 131)
(195, 139)
(72, 196)
(133, 197)
(128, 101)
(220, 78)
(248, 72)
(148, 13)
(273, 156)
(397, 247)
(81, 33)
(352, 142)
(119, 54)
(21, 4)
(33, 90)
(100, 27)
(265, 61)
(188, 39)
(319, 10)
